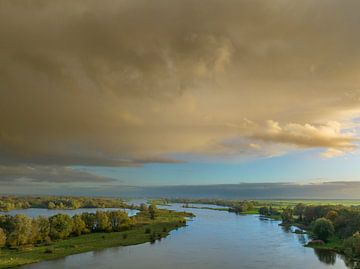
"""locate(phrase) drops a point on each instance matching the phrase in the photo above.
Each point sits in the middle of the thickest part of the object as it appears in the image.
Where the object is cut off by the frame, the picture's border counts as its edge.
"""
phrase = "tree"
(287, 215)
(332, 215)
(2, 238)
(60, 226)
(102, 222)
(264, 211)
(299, 210)
(143, 207)
(119, 220)
(352, 245)
(90, 221)
(323, 228)
(152, 211)
(21, 233)
(79, 226)
(51, 205)
(43, 226)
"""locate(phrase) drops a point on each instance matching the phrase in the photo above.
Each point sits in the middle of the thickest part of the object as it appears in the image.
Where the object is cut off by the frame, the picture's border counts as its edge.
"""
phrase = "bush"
(352, 245)
(147, 230)
(323, 228)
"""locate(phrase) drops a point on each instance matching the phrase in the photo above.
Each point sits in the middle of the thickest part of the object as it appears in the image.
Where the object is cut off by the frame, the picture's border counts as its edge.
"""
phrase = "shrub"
(323, 228)
(352, 245)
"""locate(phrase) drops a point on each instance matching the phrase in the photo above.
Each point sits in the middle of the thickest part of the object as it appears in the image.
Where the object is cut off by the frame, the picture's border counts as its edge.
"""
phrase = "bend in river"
(212, 240)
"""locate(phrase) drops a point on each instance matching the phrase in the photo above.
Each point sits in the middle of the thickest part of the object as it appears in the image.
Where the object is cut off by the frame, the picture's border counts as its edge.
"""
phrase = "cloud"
(124, 83)
(51, 174)
(328, 136)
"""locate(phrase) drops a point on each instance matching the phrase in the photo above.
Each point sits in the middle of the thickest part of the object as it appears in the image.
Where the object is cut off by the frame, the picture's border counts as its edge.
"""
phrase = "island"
(25, 240)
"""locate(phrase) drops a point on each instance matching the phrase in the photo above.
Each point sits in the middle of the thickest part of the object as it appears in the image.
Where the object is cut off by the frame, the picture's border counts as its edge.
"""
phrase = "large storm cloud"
(119, 83)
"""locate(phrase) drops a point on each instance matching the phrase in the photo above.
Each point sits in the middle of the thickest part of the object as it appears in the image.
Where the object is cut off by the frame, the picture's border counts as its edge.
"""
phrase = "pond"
(212, 240)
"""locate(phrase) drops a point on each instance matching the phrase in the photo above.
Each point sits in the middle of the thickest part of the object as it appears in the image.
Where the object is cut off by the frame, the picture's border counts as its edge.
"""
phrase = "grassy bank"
(334, 244)
(149, 231)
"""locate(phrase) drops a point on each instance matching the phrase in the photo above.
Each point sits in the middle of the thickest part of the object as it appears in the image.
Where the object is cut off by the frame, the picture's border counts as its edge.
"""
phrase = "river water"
(212, 240)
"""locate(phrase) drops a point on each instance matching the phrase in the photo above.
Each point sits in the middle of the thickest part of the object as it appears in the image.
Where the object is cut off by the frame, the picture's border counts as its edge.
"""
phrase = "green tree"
(2, 238)
(152, 210)
(119, 220)
(60, 226)
(299, 210)
(43, 226)
(90, 221)
(102, 222)
(323, 228)
(287, 215)
(352, 245)
(79, 226)
(51, 205)
(21, 231)
(264, 211)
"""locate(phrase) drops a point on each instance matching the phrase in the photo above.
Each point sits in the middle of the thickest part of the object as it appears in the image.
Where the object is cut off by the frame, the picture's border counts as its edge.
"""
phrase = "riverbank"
(147, 231)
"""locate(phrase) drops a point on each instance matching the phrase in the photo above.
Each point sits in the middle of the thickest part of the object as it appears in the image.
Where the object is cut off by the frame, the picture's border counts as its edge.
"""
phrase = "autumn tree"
(60, 226)
(79, 226)
(102, 222)
(21, 233)
(2, 238)
(119, 220)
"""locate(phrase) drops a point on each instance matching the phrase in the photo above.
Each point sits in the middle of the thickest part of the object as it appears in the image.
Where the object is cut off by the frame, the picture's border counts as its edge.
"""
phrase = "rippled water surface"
(212, 240)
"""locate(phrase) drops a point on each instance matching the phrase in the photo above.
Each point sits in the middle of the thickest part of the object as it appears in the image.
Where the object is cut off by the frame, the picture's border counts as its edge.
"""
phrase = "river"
(212, 240)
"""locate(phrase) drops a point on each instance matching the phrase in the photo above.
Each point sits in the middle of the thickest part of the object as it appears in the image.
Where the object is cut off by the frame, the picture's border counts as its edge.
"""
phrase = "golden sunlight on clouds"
(129, 82)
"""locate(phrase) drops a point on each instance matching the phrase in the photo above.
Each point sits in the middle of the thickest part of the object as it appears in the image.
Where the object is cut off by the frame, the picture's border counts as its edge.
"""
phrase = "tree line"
(233, 205)
(326, 223)
(21, 230)
(8, 203)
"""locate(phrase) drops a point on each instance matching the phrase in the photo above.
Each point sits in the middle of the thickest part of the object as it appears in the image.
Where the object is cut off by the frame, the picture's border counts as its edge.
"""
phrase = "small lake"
(36, 212)
(212, 240)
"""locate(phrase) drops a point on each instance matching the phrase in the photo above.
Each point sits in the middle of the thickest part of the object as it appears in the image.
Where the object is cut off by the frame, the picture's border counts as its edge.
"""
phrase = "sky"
(107, 94)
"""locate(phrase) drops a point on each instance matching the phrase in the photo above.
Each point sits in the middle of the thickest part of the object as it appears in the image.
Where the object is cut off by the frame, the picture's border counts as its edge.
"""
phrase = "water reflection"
(326, 256)
(303, 239)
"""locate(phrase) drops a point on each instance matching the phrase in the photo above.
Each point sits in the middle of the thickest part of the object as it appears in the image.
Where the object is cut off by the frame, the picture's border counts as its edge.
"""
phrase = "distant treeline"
(21, 230)
(233, 205)
(8, 203)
